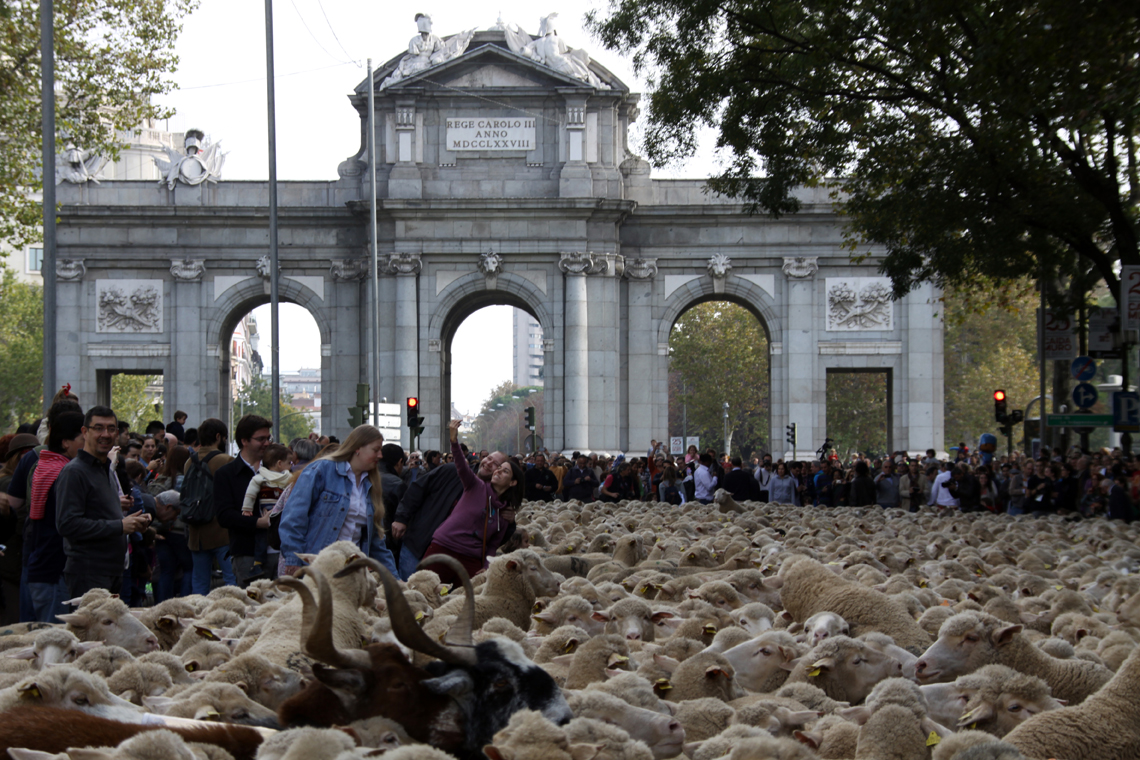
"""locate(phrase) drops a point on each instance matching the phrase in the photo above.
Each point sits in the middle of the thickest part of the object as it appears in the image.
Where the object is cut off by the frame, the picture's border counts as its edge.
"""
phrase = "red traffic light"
(999, 395)
(413, 402)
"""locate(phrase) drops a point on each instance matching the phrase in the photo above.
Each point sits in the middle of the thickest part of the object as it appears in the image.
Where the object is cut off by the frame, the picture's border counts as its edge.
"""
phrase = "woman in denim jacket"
(338, 497)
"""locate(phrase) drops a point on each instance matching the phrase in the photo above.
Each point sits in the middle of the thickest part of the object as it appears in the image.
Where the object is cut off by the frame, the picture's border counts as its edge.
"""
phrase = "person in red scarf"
(43, 552)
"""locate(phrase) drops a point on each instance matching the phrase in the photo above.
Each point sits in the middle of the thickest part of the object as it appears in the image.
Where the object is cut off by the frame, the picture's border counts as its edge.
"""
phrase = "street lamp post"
(726, 427)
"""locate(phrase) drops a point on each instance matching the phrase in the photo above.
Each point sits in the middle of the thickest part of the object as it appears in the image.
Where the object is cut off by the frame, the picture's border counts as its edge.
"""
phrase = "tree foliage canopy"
(718, 352)
(258, 395)
(502, 428)
(21, 350)
(132, 402)
(111, 61)
(972, 140)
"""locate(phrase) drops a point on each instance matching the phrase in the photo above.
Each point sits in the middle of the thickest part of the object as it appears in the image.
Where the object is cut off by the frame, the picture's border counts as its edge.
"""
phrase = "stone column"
(407, 268)
(185, 388)
(642, 389)
(577, 363)
(804, 405)
(923, 426)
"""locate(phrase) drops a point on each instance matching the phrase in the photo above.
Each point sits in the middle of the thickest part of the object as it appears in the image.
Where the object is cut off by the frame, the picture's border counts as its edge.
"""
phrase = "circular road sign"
(1083, 368)
(1085, 395)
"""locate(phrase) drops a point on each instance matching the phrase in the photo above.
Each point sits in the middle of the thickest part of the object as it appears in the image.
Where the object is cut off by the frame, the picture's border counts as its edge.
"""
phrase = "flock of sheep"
(629, 631)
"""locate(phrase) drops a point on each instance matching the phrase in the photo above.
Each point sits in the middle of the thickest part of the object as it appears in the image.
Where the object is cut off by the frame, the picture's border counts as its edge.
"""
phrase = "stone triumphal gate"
(504, 177)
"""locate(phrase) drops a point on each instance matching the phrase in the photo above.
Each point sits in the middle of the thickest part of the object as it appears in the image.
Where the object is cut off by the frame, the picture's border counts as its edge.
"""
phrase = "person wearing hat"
(172, 549)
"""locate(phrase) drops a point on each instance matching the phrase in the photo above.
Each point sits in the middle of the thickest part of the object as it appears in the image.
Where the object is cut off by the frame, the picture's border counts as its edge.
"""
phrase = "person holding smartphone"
(92, 516)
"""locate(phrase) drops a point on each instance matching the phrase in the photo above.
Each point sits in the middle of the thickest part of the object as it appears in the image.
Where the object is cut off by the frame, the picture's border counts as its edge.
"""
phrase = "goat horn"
(404, 625)
(461, 629)
(308, 604)
(318, 643)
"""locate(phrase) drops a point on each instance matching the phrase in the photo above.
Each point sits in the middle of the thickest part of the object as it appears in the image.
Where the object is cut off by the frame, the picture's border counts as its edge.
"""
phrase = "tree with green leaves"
(977, 141)
(257, 398)
(500, 425)
(133, 400)
(718, 352)
(112, 61)
(856, 414)
(21, 350)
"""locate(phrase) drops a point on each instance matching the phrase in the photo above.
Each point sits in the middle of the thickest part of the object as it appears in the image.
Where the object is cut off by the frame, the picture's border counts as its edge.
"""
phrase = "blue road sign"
(1083, 368)
(1085, 395)
(1126, 411)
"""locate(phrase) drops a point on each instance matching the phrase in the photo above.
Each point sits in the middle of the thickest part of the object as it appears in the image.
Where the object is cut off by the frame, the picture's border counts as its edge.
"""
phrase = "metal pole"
(274, 292)
(375, 253)
(47, 267)
(1125, 438)
(726, 451)
(1042, 428)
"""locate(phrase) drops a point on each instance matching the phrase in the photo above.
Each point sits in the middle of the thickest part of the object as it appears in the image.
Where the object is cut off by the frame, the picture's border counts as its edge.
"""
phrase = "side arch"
(736, 290)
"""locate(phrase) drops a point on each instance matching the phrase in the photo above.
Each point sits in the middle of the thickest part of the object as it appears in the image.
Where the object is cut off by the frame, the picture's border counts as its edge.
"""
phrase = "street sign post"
(1083, 369)
(1085, 395)
(1126, 411)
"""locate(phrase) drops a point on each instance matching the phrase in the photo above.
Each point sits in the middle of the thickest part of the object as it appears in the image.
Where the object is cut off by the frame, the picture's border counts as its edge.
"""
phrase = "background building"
(528, 357)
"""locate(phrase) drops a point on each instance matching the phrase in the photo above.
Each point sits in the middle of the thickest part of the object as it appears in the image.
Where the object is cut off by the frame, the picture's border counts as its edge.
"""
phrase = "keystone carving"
(349, 269)
(719, 265)
(800, 267)
(490, 263)
(577, 262)
(187, 270)
(263, 267)
(70, 269)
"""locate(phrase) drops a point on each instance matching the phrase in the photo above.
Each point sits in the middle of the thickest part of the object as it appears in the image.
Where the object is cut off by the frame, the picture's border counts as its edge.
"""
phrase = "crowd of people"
(85, 502)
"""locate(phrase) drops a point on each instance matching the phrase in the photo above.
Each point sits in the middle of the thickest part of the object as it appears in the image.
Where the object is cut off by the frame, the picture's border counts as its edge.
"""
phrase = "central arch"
(468, 295)
(757, 301)
(240, 301)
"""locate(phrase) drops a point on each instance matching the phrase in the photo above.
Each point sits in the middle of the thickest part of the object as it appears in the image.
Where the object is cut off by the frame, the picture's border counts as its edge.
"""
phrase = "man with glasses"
(90, 511)
(253, 434)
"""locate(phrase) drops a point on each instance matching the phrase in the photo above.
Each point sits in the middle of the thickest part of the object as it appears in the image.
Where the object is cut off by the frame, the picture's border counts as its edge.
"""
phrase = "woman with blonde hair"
(338, 497)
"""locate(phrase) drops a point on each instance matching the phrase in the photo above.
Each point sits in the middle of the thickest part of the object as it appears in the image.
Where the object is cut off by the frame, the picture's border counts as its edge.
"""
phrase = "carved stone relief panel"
(859, 303)
(128, 306)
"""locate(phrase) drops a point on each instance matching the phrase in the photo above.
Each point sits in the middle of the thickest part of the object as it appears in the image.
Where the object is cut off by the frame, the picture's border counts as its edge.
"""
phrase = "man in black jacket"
(581, 481)
(426, 504)
(89, 511)
(541, 483)
(740, 483)
(253, 434)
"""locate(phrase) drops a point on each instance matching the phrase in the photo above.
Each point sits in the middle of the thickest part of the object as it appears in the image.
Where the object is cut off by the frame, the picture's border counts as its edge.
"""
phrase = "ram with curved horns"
(457, 703)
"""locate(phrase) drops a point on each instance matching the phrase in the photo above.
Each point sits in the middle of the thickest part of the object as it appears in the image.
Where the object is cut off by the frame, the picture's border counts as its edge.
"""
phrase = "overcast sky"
(320, 50)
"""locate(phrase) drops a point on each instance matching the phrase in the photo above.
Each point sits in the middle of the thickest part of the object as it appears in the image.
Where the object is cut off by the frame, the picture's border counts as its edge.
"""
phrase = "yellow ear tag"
(443, 592)
(191, 667)
(1058, 587)
(33, 691)
(922, 583)
(973, 726)
(570, 646)
(537, 607)
(977, 572)
(419, 616)
(815, 672)
(1095, 608)
(933, 739)
(1048, 567)
(662, 683)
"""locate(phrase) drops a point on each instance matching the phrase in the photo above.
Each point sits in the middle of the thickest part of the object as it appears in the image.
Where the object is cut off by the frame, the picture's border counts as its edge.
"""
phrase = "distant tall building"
(304, 386)
(245, 361)
(528, 357)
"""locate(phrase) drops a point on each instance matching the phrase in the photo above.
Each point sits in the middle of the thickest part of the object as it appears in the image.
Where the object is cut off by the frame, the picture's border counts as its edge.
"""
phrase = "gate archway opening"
(493, 371)
(719, 354)
(245, 367)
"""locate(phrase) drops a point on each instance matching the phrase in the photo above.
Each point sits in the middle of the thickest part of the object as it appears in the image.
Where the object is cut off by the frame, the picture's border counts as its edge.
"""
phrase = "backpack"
(197, 493)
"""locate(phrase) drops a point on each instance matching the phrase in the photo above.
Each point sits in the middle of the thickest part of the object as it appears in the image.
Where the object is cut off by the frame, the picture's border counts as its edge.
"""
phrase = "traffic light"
(792, 435)
(1000, 414)
(415, 421)
(357, 414)
(1016, 416)
(530, 418)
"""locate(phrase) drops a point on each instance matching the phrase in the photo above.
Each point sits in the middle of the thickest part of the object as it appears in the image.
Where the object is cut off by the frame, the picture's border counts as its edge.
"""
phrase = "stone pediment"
(488, 63)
